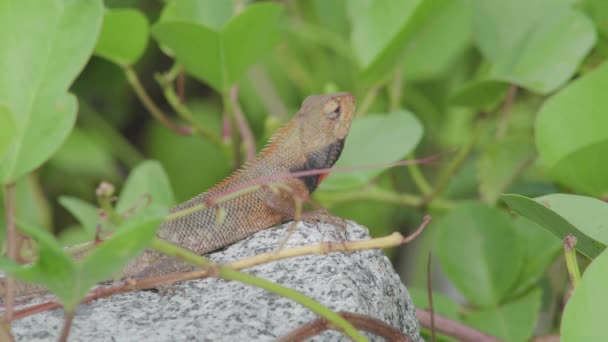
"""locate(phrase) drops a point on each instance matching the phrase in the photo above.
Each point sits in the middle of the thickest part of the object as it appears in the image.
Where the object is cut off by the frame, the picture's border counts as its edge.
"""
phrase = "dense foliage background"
(510, 94)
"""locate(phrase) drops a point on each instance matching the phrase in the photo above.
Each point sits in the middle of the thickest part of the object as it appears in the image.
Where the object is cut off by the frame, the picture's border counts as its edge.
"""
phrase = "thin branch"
(395, 89)
(5, 331)
(503, 123)
(11, 245)
(393, 240)
(181, 86)
(227, 273)
(242, 124)
(368, 100)
(150, 105)
(446, 176)
(429, 289)
(267, 92)
(361, 322)
(165, 81)
(453, 328)
(418, 177)
(67, 326)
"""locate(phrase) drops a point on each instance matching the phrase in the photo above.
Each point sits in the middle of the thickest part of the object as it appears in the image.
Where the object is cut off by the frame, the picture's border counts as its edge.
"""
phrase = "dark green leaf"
(511, 321)
(481, 95)
(479, 251)
(54, 268)
(86, 213)
(539, 247)
(500, 163)
(123, 37)
(548, 219)
(146, 180)
(130, 239)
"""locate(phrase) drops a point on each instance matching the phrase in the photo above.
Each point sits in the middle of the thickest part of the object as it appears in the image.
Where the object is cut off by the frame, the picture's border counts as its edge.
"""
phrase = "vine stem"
(570, 256)
(150, 105)
(11, 245)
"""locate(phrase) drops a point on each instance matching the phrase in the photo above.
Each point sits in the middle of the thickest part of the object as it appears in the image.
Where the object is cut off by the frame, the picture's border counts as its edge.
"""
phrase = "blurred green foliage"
(510, 94)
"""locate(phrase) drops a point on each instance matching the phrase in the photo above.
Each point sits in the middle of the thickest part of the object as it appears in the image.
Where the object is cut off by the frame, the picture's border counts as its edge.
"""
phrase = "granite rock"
(217, 310)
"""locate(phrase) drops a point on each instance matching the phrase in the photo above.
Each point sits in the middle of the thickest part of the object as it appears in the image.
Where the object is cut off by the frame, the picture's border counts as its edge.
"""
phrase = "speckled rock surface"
(217, 310)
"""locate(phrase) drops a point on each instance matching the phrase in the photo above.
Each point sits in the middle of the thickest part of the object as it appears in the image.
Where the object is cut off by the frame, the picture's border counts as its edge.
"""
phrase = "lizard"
(313, 139)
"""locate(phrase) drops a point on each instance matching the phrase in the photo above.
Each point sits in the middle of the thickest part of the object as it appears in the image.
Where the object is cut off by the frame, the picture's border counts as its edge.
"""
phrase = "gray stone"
(217, 310)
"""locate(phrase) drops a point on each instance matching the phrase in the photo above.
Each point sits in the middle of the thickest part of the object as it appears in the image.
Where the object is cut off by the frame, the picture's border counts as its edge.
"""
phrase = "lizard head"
(325, 119)
(322, 125)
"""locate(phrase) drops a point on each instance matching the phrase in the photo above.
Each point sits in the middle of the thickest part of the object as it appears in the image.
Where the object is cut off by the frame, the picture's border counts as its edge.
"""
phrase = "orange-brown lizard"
(313, 139)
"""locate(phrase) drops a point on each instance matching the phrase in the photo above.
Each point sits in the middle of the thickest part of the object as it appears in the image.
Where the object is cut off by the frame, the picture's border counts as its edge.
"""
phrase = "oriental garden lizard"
(313, 139)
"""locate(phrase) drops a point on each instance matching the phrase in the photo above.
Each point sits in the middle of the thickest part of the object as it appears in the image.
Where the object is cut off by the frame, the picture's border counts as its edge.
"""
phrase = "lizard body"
(313, 139)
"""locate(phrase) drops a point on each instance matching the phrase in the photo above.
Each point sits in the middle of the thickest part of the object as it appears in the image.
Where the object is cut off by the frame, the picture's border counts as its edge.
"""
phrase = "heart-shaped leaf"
(535, 44)
(123, 37)
(220, 57)
(400, 133)
(570, 135)
(479, 250)
(381, 31)
(147, 179)
(45, 45)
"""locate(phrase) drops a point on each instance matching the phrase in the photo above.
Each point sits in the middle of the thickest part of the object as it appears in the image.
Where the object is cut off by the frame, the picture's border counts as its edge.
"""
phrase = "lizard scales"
(313, 139)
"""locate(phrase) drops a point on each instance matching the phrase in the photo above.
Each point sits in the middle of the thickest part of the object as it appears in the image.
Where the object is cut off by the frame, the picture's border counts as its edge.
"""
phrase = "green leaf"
(570, 135)
(70, 281)
(7, 129)
(221, 57)
(535, 44)
(584, 318)
(442, 305)
(588, 214)
(83, 155)
(381, 31)
(147, 179)
(171, 150)
(448, 30)
(53, 269)
(479, 251)
(512, 321)
(481, 95)
(539, 248)
(84, 212)
(598, 11)
(123, 37)
(499, 165)
(550, 220)
(130, 239)
(45, 45)
(211, 13)
(401, 132)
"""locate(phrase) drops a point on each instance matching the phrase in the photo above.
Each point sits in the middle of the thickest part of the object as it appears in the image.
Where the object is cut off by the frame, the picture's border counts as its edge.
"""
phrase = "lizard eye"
(333, 111)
